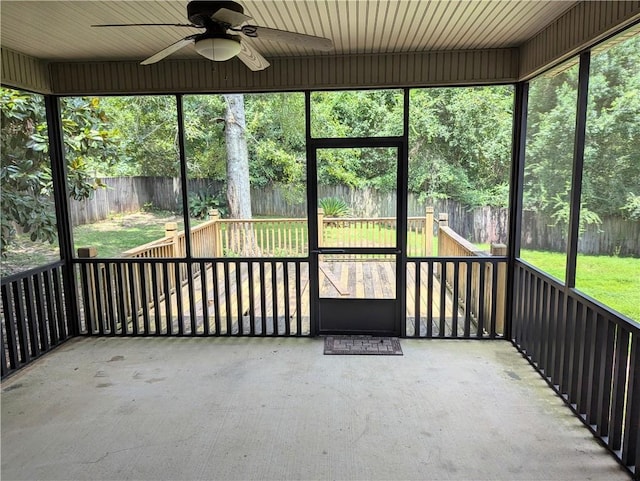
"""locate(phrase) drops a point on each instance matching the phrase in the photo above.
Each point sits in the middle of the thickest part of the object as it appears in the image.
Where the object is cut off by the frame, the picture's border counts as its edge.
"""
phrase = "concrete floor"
(279, 409)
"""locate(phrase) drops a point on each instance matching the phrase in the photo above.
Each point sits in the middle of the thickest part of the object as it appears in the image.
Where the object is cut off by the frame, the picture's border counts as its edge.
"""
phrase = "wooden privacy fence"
(469, 279)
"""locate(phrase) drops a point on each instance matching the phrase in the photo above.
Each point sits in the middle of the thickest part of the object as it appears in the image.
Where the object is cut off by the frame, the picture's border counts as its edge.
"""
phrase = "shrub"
(334, 207)
(201, 203)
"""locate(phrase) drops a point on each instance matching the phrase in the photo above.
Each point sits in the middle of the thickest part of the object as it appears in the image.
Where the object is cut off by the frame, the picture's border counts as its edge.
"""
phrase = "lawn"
(120, 233)
(614, 281)
(110, 237)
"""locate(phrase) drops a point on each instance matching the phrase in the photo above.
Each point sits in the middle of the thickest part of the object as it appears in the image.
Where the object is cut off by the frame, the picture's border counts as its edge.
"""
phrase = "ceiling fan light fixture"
(218, 49)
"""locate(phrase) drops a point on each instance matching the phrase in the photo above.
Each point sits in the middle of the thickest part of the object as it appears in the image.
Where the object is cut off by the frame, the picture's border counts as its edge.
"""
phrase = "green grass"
(614, 281)
(112, 242)
(120, 233)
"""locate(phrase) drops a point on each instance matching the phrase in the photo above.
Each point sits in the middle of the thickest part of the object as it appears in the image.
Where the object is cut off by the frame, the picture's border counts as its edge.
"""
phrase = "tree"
(147, 136)
(238, 187)
(460, 144)
(25, 172)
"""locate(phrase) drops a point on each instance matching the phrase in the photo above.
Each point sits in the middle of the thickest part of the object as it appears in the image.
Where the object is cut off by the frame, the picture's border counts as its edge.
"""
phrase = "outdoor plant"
(334, 207)
(201, 203)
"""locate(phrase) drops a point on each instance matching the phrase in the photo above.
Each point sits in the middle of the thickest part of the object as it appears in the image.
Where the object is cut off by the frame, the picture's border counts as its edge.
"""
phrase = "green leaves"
(201, 203)
(334, 207)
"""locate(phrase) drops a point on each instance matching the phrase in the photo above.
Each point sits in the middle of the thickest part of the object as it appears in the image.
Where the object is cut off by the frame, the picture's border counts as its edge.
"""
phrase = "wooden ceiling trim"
(580, 27)
(24, 72)
(299, 73)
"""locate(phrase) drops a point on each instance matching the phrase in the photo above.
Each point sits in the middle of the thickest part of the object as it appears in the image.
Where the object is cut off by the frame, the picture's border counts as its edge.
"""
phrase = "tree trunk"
(238, 188)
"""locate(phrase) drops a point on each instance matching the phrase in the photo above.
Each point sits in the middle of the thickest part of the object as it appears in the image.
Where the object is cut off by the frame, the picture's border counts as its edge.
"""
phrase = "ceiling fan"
(227, 30)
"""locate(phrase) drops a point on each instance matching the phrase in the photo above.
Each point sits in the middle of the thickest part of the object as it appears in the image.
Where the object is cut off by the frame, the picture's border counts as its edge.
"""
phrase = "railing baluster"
(274, 298)
(145, 296)
(189, 268)
(21, 322)
(482, 271)
(179, 302)
(493, 300)
(587, 375)
(216, 296)
(8, 311)
(286, 298)
(204, 292)
(417, 285)
(227, 300)
(631, 441)
(443, 299)
(298, 294)
(167, 298)
(239, 298)
(263, 301)
(528, 334)
(551, 313)
(120, 289)
(430, 275)
(155, 284)
(454, 296)
(618, 388)
(63, 328)
(135, 294)
(51, 314)
(570, 335)
(558, 365)
(252, 307)
(578, 361)
(109, 299)
(605, 378)
(467, 299)
(534, 331)
(43, 322)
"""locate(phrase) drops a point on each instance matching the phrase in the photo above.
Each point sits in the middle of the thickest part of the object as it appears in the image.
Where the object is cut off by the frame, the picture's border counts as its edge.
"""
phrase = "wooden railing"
(377, 232)
(204, 243)
(288, 237)
(262, 238)
(218, 238)
(451, 244)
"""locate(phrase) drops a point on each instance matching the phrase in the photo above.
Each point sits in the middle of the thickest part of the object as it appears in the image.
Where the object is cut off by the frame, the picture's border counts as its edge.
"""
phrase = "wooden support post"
(87, 252)
(320, 226)
(171, 230)
(501, 288)
(214, 216)
(428, 231)
(443, 221)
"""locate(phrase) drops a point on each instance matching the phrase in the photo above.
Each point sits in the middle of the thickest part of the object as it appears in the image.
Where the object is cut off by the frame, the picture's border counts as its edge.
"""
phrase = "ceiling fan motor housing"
(200, 12)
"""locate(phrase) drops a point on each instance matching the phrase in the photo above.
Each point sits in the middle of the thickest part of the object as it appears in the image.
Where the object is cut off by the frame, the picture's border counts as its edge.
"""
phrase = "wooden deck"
(252, 299)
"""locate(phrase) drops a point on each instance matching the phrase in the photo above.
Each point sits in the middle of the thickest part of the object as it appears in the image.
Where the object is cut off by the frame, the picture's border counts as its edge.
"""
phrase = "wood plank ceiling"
(60, 30)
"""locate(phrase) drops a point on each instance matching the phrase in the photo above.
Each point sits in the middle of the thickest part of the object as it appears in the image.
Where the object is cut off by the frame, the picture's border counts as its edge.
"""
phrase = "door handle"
(328, 251)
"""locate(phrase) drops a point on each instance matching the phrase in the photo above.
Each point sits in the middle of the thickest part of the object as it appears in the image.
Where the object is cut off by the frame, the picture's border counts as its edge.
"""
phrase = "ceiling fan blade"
(174, 47)
(301, 39)
(230, 17)
(147, 25)
(251, 58)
